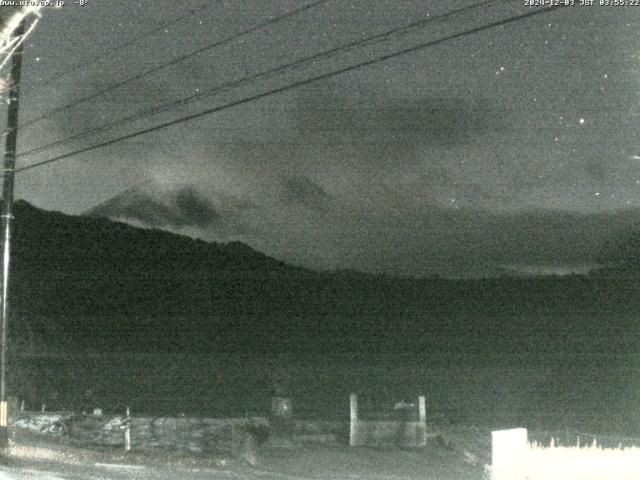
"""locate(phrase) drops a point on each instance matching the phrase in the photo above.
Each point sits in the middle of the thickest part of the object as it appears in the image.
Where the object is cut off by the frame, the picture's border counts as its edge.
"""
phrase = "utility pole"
(11, 134)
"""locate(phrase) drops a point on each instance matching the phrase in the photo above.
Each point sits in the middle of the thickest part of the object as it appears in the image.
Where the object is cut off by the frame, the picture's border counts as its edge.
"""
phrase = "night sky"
(512, 149)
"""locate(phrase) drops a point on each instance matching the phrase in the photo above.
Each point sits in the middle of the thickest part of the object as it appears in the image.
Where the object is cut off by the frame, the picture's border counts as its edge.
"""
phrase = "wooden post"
(127, 431)
(353, 400)
(44, 407)
(22, 405)
(11, 136)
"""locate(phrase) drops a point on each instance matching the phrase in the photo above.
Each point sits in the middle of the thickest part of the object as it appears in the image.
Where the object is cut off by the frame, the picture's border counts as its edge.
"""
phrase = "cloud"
(303, 192)
(389, 129)
(184, 207)
(194, 209)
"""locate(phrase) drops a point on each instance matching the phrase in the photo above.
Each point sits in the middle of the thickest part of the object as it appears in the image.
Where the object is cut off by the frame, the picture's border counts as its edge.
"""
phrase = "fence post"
(353, 401)
(127, 439)
(422, 417)
(127, 431)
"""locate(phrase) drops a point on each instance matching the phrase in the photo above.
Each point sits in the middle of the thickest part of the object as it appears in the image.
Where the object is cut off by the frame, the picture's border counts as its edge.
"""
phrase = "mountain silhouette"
(91, 284)
(297, 221)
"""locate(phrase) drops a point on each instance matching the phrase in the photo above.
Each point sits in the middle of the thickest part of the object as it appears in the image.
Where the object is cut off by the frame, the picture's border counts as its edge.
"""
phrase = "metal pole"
(11, 134)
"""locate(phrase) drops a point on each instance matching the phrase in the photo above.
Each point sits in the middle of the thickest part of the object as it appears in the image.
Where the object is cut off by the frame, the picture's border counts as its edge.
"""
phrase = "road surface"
(32, 459)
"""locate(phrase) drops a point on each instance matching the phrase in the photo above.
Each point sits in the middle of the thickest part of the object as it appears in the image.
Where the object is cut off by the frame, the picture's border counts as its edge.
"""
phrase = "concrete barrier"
(388, 433)
(509, 449)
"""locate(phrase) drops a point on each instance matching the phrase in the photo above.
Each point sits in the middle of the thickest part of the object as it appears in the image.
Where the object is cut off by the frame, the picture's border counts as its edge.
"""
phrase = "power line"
(266, 73)
(294, 85)
(122, 46)
(176, 60)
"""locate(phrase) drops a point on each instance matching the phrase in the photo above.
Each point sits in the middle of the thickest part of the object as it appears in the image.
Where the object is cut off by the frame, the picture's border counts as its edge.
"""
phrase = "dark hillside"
(100, 285)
